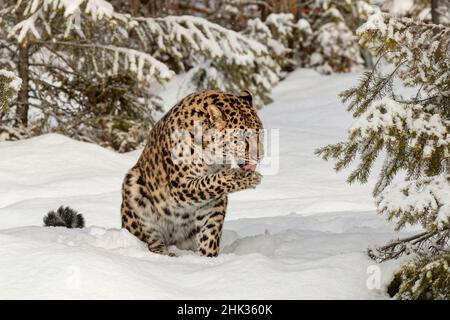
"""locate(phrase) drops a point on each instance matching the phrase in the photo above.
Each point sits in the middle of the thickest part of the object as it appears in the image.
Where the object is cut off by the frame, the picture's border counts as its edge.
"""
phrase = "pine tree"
(9, 86)
(424, 278)
(87, 69)
(332, 45)
(277, 33)
(78, 70)
(213, 56)
(323, 38)
(411, 131)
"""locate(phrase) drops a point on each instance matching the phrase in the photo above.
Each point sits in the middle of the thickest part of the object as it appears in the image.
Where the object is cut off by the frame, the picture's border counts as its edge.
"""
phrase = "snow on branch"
(191, 39)
(423, 48)
(98, 9)
(202, 36)
(40, 14)
(137, 61)
(79, 16)
(425, 201)
(389, 119)
(282, 23)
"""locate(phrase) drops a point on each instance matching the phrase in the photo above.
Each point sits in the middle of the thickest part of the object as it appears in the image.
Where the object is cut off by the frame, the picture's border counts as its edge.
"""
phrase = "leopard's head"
(235, 131)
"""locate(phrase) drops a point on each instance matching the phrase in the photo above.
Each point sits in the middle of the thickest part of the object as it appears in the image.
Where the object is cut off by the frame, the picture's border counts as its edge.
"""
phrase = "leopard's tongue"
(250, 167)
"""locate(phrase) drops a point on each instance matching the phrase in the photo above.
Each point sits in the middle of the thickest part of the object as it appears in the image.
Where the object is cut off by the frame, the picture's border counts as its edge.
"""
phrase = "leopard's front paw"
(246, 179)
(252, 179)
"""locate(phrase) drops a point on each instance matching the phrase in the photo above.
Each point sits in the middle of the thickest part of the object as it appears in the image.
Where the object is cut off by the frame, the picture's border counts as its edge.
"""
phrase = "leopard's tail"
(64, 217)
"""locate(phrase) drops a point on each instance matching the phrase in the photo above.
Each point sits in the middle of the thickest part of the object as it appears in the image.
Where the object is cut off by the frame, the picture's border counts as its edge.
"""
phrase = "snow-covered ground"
(302, 234)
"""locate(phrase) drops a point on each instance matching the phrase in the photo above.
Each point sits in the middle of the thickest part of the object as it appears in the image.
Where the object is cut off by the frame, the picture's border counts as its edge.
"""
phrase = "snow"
(281, 22)
(99, 9)
(374, 22)
(302, 234)
(400, 7)
(304, 25)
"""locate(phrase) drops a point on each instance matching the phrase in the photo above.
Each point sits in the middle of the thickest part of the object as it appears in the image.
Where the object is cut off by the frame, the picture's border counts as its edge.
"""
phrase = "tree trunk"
(434, 11)
(447, 169)
(265, 12)
(22, 101)
(300, 10)
(285, 6)
(135, 6)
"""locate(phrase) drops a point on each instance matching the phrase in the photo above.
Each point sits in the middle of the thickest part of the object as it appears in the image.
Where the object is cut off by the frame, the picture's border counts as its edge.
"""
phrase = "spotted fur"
(170, 202)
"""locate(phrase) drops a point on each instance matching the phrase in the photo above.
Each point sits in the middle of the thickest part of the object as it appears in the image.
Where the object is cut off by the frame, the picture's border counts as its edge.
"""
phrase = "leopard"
(205, 147)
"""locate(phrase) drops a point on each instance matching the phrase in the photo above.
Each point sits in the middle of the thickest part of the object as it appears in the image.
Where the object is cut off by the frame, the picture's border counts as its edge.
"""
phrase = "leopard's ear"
(246, 95)
(216, 116)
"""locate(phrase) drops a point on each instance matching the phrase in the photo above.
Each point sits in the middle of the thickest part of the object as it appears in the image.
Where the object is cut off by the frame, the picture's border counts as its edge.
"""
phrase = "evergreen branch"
(436, 239)
(53, 67)
(156, 66)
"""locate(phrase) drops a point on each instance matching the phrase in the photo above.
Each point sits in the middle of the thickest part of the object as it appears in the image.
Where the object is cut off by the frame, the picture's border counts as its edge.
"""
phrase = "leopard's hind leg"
(134, 203)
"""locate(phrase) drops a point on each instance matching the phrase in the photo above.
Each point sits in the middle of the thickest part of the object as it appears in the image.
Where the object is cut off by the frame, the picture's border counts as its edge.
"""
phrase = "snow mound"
(39, 262)
(53, 166)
